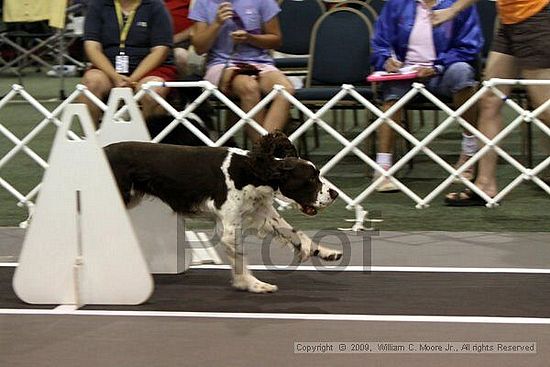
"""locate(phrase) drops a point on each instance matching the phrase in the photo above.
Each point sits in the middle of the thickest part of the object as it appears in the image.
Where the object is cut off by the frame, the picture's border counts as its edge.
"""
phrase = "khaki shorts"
(527, 41)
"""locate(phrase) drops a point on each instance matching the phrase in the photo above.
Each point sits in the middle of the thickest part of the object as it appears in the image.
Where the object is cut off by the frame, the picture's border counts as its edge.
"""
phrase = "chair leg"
(302, 147)
(316, 139)
(529, 144)
(407, 125)
(422, 118)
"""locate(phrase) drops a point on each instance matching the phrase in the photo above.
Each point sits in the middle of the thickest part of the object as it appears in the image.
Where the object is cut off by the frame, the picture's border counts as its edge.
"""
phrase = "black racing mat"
(376, 293)
(8, 299)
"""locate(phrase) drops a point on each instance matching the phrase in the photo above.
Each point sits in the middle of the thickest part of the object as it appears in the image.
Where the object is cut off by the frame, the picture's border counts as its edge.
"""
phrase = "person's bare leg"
(489, 122)
(386, 135)
(460, 97)
(180, 59)
(468, 141)
(149, 106)
(541, 93)
(278, 113)
(490, 118)
(99, 84)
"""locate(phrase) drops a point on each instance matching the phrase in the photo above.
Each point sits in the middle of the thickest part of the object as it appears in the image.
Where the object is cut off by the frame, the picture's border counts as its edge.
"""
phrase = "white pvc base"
(161, 233)
(202, 248)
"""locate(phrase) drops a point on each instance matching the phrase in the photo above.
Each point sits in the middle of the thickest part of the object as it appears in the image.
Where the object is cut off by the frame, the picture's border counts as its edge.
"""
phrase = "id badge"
(122, 64)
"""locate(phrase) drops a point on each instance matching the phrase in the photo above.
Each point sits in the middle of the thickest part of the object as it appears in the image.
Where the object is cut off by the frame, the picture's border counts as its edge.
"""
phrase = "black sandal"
(464, 198)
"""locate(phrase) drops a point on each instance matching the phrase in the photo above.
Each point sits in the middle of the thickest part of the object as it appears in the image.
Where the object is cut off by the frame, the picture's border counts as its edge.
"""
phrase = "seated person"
(404, 37)
(128, 43)
(242, 32)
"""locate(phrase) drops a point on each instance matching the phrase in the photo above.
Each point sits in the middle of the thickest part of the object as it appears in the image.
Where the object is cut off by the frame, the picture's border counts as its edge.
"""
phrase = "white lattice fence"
(209, 91)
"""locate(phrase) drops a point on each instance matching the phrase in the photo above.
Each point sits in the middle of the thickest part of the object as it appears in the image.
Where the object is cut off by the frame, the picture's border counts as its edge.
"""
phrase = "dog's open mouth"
(308, 209)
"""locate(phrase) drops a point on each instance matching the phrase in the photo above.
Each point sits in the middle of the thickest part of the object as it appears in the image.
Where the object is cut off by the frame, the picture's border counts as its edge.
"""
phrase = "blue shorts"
(456, 77)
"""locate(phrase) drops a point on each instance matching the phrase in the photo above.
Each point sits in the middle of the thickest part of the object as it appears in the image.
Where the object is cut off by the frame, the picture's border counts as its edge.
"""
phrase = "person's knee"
(96, 82)
(461, 74)
(248, 90)
(287, 84)
(180, 58)
(490, 102)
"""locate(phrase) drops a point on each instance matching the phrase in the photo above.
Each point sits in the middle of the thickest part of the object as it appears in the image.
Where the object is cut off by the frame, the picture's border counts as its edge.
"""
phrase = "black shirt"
(152, 26)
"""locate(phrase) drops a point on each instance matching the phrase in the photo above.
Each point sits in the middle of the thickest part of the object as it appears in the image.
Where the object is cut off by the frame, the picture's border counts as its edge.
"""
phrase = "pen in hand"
(392, 64)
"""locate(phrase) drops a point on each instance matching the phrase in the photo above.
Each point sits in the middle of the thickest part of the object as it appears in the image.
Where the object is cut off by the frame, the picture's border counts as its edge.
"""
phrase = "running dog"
(236, 186)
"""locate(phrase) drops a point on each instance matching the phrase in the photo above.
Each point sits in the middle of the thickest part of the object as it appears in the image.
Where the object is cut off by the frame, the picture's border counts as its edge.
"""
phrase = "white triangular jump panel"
(160, 231)
(115, 130)
(80, 251)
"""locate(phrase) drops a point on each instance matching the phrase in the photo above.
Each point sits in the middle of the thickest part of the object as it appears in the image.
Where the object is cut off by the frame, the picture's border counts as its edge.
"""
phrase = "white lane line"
(285, 316)
(356, 268)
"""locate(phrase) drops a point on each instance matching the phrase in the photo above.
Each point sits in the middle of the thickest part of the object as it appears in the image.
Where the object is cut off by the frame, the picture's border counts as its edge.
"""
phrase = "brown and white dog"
(236, 186)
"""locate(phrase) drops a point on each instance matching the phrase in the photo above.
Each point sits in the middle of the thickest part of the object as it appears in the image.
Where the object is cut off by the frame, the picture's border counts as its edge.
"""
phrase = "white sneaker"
(386, 186)
(67, 70)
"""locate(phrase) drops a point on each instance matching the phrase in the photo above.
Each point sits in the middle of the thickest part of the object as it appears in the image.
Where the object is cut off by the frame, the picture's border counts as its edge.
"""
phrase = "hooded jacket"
(456, 40)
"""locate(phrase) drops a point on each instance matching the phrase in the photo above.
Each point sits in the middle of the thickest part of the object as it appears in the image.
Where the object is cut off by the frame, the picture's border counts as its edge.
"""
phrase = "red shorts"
(168, 73)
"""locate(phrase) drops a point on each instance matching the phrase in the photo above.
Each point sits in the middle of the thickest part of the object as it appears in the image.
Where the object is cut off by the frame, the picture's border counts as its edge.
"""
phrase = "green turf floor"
(527, 208)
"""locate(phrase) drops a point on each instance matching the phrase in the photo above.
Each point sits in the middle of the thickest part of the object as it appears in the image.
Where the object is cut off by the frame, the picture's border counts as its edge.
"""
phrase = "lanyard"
(124, 26)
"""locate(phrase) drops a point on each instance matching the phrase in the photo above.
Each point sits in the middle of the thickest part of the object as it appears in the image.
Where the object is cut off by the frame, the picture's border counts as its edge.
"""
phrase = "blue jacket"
(457, 40)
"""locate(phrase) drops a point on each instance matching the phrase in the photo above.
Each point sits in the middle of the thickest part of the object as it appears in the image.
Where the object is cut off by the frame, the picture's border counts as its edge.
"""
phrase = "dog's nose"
(333, 194)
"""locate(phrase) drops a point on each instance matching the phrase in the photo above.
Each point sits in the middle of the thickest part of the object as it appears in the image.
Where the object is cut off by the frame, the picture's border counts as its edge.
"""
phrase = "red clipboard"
(385, 76)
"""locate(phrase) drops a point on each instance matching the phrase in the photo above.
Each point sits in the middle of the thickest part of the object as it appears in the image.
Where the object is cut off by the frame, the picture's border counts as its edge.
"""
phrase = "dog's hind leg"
(242, 276)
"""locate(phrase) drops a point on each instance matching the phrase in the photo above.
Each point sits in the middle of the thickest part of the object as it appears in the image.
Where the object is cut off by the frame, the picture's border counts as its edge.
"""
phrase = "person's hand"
(239, 36)
(122, 81)
(442, 15)
(392, 65)
(225, 12)
(423, 72)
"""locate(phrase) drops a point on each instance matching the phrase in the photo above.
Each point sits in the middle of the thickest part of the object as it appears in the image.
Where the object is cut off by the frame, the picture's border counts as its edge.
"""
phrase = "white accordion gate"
(181, 117)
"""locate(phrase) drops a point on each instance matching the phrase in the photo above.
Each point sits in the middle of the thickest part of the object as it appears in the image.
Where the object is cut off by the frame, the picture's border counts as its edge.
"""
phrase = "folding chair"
(376, 4)
(29, 41)
(362, 6)
(340, 54)
(35, 44)
(297, 18)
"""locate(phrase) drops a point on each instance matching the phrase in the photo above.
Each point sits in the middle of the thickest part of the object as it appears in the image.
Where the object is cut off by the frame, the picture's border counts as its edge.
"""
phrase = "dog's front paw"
(252, 284)
(327, 254)
(302, 254)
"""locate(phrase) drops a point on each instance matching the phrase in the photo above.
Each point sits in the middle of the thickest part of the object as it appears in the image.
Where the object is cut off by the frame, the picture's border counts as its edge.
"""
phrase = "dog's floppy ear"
(267, 152)
(277, 145)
